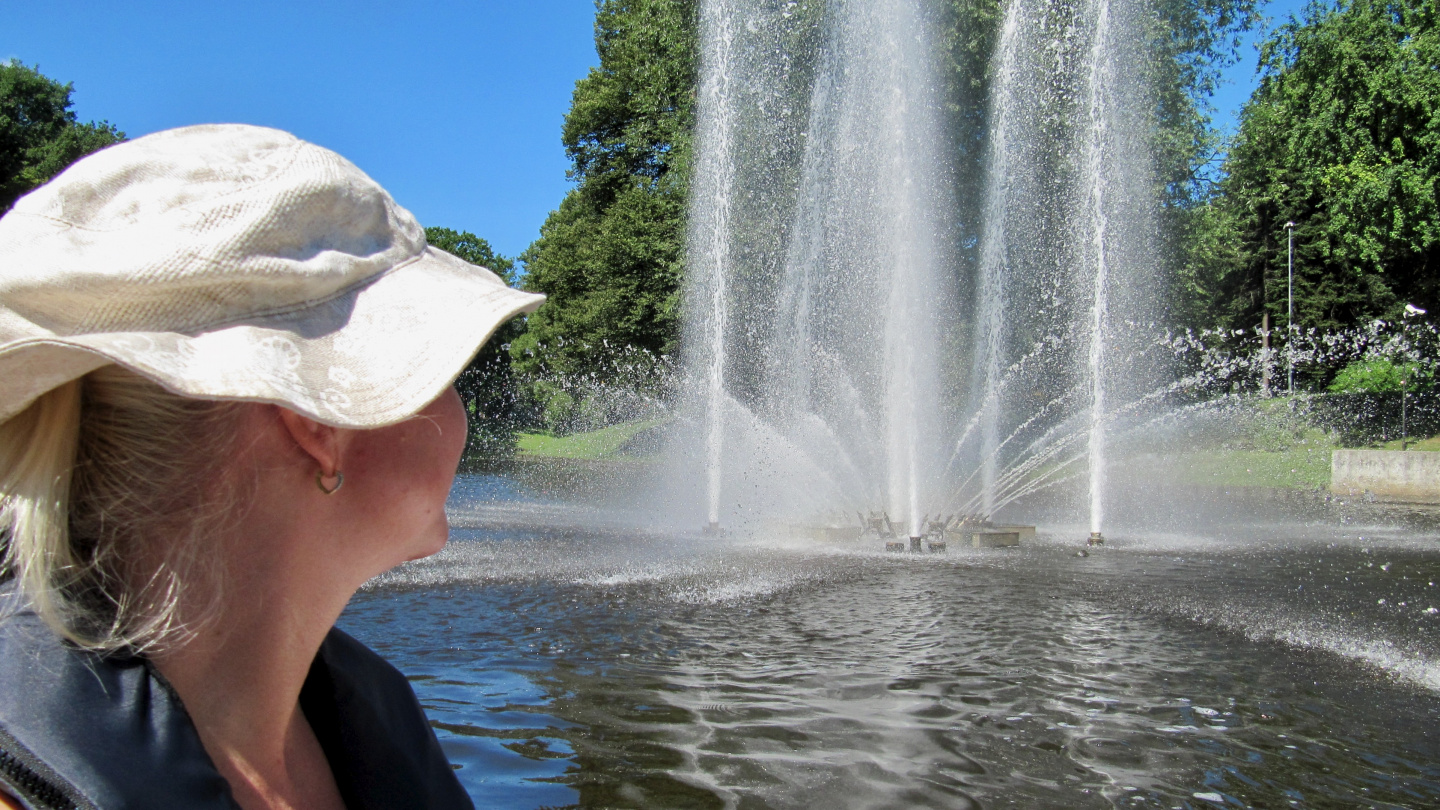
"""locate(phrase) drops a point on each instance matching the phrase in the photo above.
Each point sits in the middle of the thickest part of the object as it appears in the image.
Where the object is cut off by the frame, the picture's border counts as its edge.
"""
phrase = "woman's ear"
(323, 443)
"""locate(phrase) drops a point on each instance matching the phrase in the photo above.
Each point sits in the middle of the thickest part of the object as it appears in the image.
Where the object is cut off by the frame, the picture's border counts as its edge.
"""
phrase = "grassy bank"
(1303, 466)
(594, 445)
(1296, 468)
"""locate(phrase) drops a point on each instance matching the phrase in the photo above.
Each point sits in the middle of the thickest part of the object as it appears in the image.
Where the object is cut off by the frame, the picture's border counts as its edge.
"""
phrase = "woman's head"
(152, 298)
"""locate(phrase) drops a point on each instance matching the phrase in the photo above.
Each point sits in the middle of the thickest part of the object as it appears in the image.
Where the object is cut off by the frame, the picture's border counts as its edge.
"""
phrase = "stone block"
(1389, 475)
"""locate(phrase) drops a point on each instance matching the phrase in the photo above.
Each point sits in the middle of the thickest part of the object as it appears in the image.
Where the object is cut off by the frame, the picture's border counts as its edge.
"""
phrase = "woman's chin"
(434, 542)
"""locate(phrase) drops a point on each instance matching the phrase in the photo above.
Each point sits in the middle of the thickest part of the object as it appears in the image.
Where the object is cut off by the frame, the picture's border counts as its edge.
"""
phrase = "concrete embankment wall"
(1390, 475)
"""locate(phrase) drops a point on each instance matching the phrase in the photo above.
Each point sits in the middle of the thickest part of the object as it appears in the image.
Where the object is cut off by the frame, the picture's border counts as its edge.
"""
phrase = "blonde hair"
(110, 488)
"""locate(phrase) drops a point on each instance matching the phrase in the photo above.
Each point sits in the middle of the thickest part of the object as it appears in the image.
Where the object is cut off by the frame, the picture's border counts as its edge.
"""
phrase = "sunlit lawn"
(1304, 466)
(590, 445)
(1301, 467)
(1432, 443)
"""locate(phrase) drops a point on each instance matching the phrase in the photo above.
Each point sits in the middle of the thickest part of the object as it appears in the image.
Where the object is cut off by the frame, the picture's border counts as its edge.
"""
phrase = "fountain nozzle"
(711, 528)
(915, 544)
(1096, 539)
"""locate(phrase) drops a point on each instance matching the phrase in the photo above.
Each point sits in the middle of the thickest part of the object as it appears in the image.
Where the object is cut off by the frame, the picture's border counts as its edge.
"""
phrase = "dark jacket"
(79, 730)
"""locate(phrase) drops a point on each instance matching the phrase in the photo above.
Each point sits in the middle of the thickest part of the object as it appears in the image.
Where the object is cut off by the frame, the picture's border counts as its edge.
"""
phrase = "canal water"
(568, 656)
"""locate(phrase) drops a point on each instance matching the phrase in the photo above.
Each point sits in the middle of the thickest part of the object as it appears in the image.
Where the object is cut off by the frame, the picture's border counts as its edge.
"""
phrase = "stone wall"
(1390, 475)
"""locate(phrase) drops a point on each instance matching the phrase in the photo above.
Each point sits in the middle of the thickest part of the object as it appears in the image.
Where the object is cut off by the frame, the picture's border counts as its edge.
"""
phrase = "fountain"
(846, 400)
(827, 361)
(714, 182)
(859, 375)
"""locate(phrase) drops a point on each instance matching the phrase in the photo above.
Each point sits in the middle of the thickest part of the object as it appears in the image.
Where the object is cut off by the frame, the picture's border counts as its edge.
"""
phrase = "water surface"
(569, 661)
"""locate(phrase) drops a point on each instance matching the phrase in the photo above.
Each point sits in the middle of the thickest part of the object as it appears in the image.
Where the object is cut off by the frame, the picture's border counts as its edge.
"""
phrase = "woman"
(225, 404)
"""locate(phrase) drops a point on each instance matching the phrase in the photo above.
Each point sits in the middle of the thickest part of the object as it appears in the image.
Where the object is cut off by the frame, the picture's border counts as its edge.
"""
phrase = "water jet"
(830, 325)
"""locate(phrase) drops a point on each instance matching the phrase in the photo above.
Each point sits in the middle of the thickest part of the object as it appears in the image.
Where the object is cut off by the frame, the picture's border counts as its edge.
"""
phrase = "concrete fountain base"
(936, 540)
(984, 534)
(991, 539)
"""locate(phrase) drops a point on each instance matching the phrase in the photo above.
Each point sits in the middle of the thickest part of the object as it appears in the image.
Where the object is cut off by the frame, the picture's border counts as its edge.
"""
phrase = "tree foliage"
(472, 249)
(1342, 137)
(1188, 43)
(610, 257)
(1380, 376)
(1191, 43)
(39, 133)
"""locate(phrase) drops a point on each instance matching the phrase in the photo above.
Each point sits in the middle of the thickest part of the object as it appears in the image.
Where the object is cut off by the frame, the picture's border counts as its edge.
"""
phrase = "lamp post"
(1410, 311)
(1290, 314)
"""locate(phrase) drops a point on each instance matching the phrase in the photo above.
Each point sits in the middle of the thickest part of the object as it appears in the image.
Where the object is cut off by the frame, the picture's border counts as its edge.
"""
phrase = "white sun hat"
(239, 263)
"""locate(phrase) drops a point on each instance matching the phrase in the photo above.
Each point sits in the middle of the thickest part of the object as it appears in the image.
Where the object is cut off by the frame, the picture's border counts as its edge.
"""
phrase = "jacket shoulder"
(373, 723)
(94, 731)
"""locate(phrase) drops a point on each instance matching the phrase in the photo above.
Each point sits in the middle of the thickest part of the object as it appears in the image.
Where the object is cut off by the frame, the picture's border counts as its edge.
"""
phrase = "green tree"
(1189, 44)
(39, 134)
(1342, 137)
(610, 258)
(472, 249)
(487, 386)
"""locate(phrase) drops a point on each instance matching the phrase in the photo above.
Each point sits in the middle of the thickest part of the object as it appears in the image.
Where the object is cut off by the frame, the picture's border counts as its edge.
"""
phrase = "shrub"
(1380, 376)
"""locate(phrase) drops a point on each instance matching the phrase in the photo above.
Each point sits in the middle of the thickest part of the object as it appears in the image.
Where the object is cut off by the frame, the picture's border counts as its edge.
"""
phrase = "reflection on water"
(605, 668)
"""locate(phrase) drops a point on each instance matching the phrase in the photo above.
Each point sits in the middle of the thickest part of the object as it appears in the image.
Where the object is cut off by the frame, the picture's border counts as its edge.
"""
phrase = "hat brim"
(372, 355)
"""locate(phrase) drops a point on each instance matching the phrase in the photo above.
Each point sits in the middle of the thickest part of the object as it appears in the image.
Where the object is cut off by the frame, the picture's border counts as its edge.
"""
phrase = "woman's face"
(399, 476)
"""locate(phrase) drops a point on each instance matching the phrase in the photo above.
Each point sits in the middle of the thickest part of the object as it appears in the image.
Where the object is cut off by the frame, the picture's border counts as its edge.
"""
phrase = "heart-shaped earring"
(320, 481)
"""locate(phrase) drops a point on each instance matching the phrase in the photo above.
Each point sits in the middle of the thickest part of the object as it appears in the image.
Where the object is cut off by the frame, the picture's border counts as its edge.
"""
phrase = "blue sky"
(455, 107)
(1240, 79)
